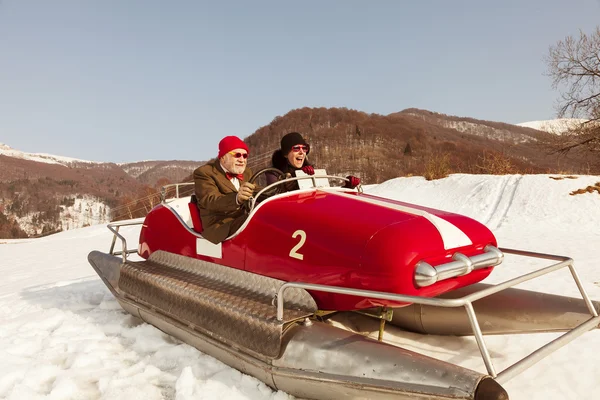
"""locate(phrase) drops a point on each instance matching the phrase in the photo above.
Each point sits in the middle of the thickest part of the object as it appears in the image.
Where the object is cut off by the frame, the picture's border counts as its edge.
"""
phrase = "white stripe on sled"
(451, 235)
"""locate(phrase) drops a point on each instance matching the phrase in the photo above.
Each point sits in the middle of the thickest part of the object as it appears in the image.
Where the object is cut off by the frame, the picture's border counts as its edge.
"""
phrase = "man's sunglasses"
(238, 155)
(299, 147)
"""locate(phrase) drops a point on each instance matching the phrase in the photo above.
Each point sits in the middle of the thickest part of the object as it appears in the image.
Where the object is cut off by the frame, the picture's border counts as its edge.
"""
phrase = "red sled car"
(335, 236)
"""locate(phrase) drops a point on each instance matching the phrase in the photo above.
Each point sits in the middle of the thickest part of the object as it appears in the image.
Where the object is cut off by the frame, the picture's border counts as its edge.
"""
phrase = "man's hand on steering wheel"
(276, 190)
(245, 193)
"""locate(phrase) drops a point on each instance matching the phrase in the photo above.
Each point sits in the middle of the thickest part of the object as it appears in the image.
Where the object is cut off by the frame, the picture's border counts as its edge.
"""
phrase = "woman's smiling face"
(297, 155)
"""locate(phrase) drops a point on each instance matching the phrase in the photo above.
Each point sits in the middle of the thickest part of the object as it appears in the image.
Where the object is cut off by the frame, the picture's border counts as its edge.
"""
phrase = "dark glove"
(308, 169)
(353, 182)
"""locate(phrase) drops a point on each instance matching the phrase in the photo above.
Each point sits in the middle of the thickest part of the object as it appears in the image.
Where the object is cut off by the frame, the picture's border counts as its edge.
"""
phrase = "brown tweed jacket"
(216, 200)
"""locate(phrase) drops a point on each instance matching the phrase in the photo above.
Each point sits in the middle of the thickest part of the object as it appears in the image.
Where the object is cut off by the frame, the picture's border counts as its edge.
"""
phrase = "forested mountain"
(413, 142)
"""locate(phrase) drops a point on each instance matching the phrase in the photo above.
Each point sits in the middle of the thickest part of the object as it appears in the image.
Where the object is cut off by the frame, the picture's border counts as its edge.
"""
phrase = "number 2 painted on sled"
(294, 252)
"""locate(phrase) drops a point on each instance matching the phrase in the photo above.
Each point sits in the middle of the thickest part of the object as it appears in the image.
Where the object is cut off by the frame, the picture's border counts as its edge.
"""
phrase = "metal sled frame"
(466, 302)
(114, 228)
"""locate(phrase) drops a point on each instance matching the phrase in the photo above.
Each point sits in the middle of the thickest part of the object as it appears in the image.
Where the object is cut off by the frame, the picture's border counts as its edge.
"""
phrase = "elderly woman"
(291, 157)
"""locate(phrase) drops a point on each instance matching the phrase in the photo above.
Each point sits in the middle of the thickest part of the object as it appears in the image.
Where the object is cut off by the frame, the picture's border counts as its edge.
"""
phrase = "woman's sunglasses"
(298, 147)
(238, 155)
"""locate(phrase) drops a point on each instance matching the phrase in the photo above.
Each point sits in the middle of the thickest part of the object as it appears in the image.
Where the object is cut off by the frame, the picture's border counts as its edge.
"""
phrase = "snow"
(137, 169)
(64, 336)
(556, 126)
(41, 157)
(86, 210)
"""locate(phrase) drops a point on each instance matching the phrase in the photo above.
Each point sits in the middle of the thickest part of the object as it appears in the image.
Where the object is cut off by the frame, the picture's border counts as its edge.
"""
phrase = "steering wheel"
(271, 192)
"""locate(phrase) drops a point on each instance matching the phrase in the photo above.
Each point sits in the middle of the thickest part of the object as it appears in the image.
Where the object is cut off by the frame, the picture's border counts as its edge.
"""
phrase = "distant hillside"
(38, 194)
(151, 172)
(43, 193)
(411, 142)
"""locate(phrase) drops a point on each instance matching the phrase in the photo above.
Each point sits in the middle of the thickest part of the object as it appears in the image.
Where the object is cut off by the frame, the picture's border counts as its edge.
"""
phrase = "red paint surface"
(349, 243)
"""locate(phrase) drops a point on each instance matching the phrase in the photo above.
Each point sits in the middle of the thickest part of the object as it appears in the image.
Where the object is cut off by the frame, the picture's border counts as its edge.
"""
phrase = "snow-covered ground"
(63, 335)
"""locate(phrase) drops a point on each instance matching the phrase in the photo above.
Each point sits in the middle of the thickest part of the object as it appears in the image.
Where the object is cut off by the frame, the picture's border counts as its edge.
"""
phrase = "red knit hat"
(229, 143)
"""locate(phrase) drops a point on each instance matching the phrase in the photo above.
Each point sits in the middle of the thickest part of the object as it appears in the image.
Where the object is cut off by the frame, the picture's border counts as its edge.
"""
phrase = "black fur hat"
(291, 139)
(278, 160)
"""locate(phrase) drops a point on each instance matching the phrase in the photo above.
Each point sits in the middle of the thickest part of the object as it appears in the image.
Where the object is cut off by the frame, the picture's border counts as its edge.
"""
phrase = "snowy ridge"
(556, 126)
(139, 168)
(41, 157)
(476, 127)
(488, 132)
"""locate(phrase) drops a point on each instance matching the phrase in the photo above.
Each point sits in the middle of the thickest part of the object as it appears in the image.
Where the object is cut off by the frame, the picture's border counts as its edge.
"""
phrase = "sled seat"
(232, 305)
(195, 214)
(187, 210)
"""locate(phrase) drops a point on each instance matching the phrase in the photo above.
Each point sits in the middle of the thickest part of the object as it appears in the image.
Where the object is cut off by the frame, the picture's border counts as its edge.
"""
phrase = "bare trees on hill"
(380, 147)
(574, 65)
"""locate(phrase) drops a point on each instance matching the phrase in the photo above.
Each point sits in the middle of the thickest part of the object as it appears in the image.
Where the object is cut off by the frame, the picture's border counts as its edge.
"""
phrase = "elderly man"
(221, 188)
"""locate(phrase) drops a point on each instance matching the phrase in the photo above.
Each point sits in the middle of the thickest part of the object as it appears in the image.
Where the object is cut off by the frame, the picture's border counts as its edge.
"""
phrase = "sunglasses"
(298, 147)
(238, 155)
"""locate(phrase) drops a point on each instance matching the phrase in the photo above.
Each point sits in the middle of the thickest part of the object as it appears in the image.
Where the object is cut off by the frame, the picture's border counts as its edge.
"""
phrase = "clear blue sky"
(113, 80)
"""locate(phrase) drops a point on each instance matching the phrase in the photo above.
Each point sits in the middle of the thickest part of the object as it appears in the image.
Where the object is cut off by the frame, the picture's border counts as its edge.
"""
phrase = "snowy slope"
(40, 157)
(86, 210)
(63, 335)
(556, 126)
